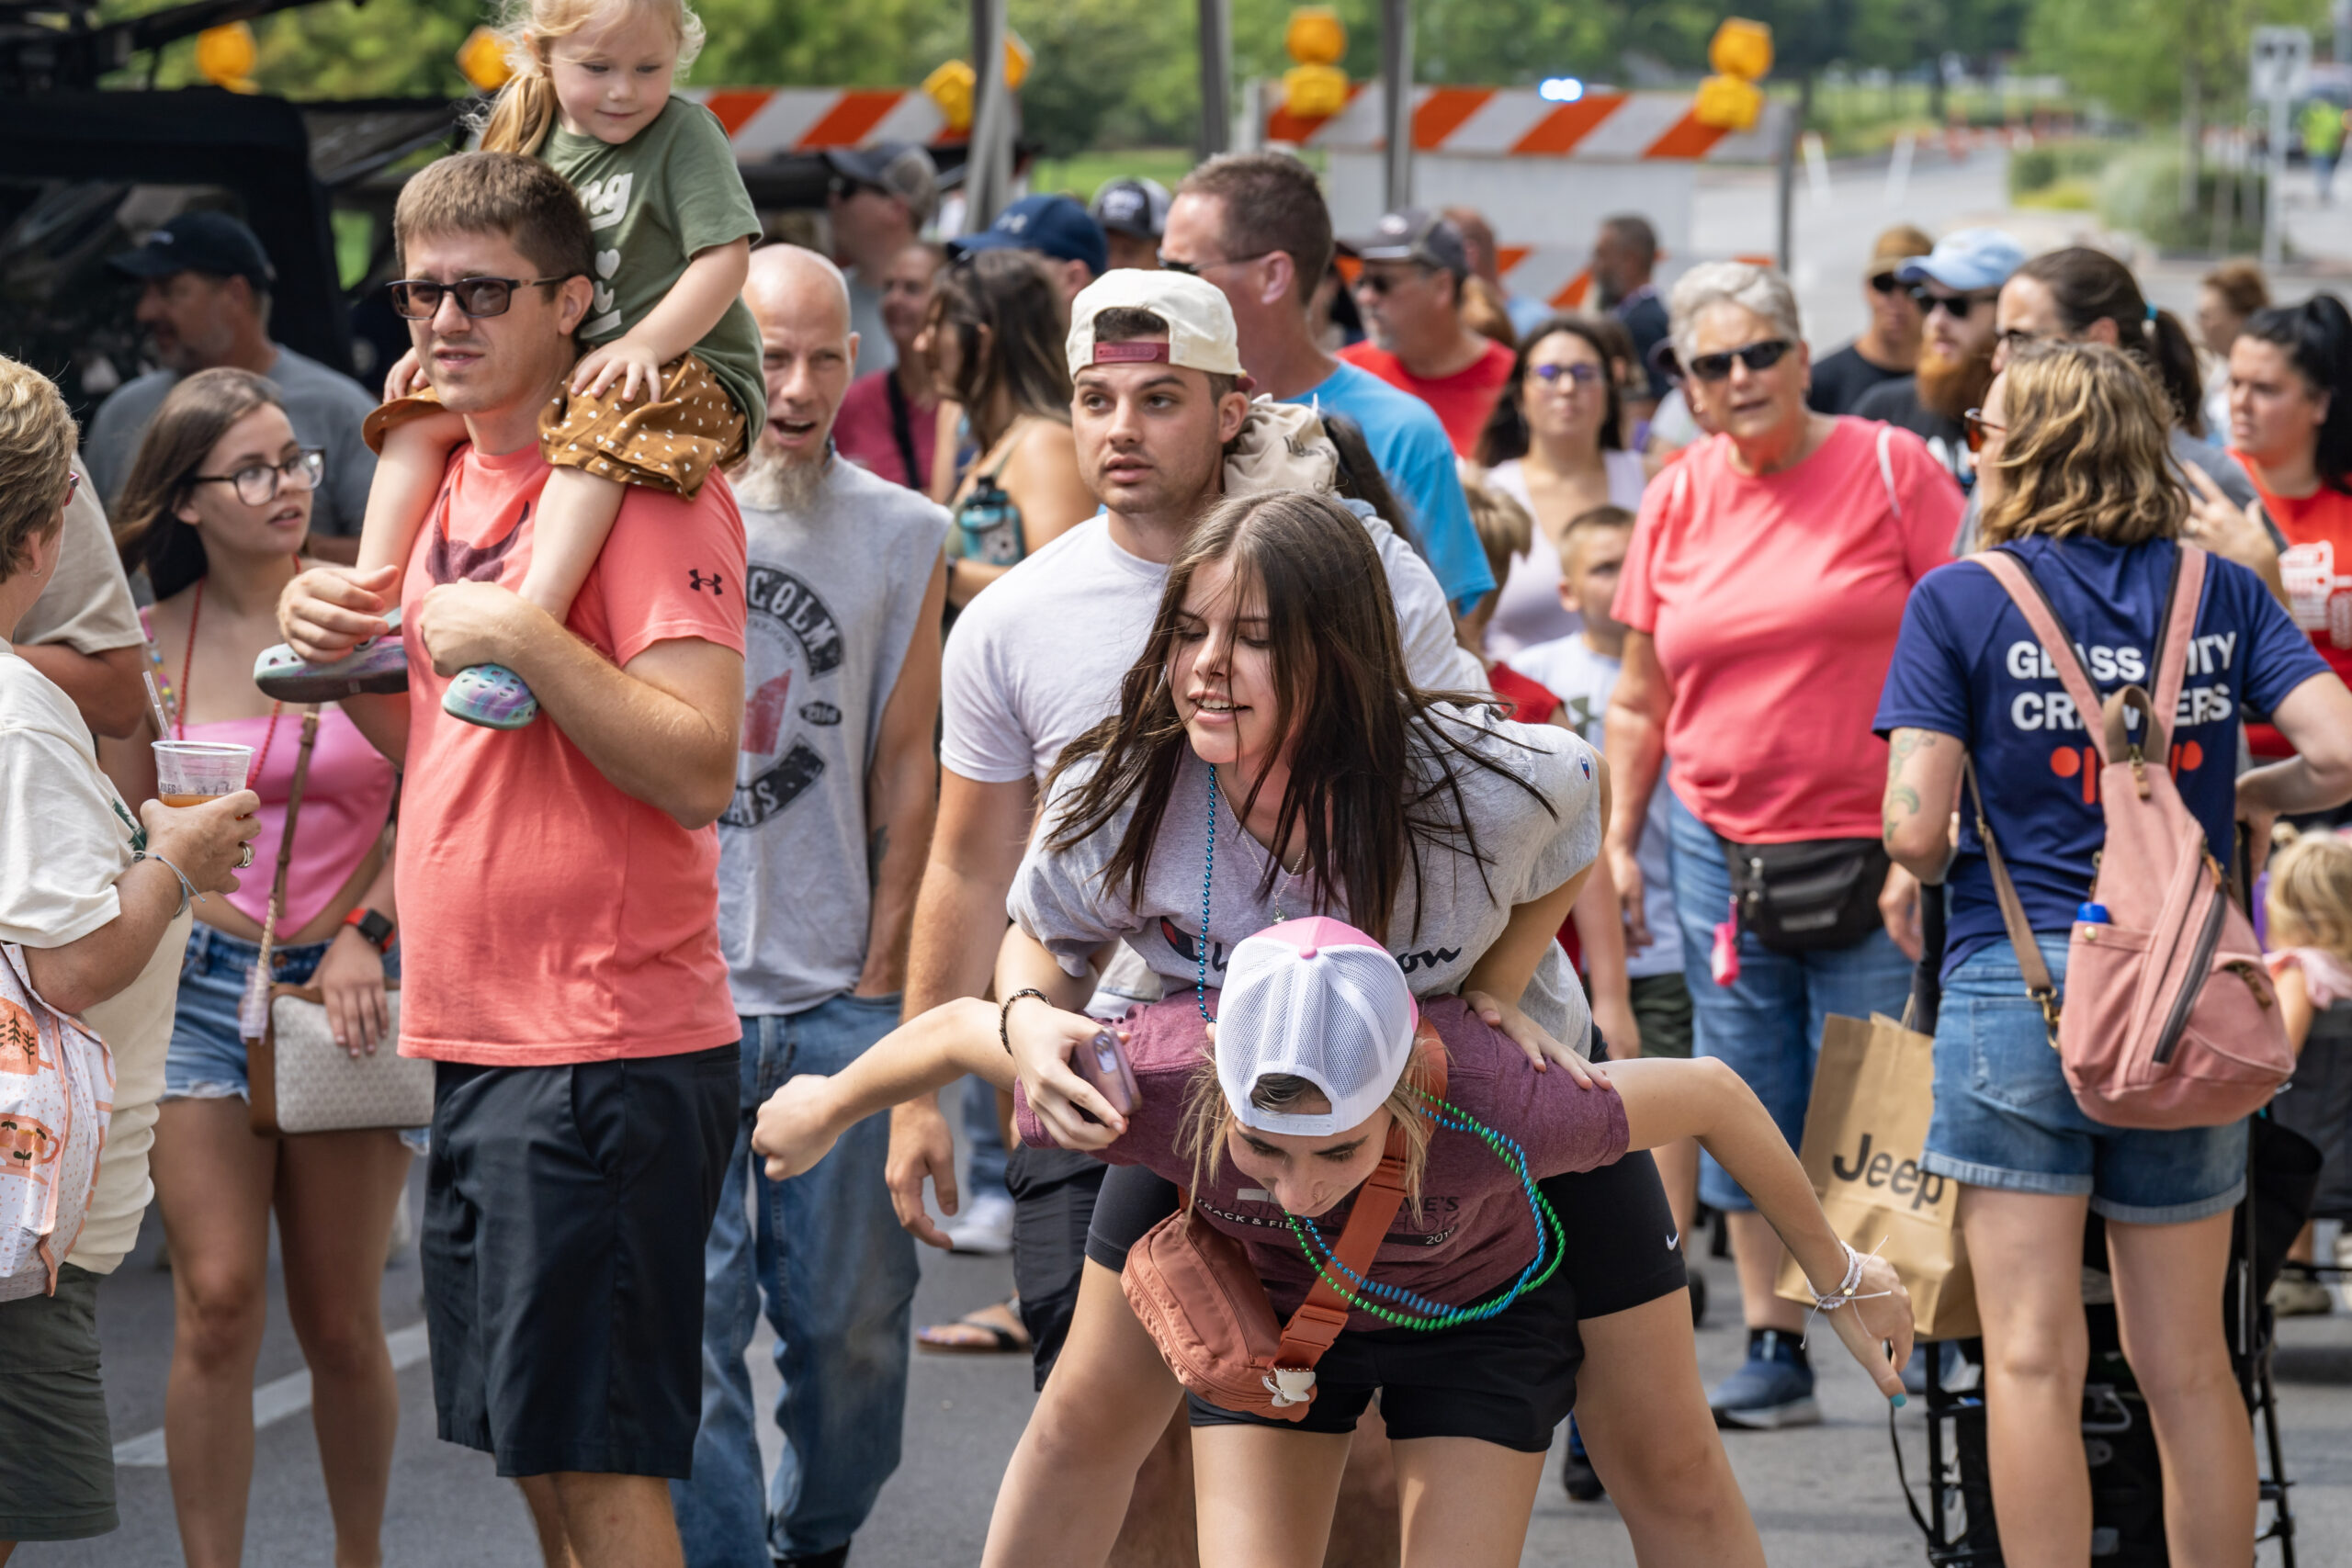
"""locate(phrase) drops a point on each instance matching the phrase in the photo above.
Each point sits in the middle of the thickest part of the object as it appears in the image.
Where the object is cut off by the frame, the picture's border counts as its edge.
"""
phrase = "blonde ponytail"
(525, 111)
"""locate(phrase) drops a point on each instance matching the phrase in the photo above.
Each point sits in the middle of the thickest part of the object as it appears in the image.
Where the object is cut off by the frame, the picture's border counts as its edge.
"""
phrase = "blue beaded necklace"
(1551, 1240)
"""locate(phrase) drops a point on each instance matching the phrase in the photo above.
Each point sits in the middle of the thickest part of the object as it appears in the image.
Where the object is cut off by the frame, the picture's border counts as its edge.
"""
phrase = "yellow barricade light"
(1727, 102)
(225, 56)
(481, 60)
(1017, 58)
(1741, 48)
(1316, 36)
(952, 87)
(1314, 92)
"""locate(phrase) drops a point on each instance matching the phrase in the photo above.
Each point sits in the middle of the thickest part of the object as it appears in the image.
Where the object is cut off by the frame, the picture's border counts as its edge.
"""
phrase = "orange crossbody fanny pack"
(1195, 1290)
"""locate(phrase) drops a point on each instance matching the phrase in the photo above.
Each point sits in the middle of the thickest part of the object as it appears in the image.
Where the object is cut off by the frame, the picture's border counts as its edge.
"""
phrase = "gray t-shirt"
(1530, 839)
(325, 407)
(1037, 659)
(835, 595)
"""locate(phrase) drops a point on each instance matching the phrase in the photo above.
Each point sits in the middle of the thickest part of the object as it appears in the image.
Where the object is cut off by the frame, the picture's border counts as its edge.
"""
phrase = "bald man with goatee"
(819, 856)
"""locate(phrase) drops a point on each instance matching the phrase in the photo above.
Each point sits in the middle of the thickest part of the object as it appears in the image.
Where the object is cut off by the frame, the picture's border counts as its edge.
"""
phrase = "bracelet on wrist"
(1005, 1013)
(188, 888)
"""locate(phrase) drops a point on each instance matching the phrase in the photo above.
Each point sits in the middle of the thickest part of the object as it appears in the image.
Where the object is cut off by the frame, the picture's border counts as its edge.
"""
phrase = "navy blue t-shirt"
(1966, 664)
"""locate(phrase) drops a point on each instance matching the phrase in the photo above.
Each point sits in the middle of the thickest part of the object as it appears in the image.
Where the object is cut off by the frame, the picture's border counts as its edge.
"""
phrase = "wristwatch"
(373, 926)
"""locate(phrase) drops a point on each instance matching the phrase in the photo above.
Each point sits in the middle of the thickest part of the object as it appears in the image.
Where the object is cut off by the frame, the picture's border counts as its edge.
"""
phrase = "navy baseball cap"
(200, 242)
(1055, 226)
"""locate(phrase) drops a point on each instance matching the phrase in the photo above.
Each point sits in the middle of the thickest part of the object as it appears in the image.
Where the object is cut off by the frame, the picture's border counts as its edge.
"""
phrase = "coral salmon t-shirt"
(1461, 401)
(545, 918)
(1775, 600)
(2317, 566)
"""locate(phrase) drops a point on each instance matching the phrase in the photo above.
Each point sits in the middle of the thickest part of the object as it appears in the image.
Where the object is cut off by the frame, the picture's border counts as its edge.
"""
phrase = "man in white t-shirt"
(1038, 659)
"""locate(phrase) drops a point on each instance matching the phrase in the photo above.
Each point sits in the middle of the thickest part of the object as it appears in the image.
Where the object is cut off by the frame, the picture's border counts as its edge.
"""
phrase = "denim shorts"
(2005, 1117)
(206, 1060)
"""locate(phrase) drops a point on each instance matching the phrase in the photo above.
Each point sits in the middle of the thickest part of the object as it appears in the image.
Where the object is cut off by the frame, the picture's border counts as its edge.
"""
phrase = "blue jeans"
(1767, 1024)
(838, 1278)
(2005, 1117)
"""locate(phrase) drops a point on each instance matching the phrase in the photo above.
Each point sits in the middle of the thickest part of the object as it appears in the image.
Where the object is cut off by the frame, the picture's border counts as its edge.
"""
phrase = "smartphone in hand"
(1102, 1062)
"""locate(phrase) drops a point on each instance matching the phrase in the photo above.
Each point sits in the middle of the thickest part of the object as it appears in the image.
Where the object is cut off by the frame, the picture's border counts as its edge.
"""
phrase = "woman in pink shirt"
(215, 511)
(1763, 591)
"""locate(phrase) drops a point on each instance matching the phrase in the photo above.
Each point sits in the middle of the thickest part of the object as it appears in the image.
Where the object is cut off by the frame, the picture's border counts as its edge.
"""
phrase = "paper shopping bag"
(1872, 1095)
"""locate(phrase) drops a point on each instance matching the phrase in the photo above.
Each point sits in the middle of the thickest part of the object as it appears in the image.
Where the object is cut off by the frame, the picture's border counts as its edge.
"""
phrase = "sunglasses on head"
(1754, 355)
(419, 298)
(1959, 306)
(1580, 374)
(1975, 425)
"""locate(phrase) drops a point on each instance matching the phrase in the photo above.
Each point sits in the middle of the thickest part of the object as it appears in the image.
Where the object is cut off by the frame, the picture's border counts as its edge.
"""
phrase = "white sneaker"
(985, 1226)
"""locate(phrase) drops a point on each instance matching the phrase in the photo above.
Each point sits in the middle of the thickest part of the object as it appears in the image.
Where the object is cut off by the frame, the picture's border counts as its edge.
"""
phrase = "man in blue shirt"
(1255, 225)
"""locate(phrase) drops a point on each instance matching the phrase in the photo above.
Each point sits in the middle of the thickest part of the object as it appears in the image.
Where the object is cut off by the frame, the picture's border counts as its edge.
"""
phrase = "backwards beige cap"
(1200, 323)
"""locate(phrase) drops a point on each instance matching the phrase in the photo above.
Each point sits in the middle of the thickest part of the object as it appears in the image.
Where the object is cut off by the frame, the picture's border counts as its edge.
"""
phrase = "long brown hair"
(2085, 451)
(1373, 778)
(195, 416)
(1009, 294)
(2090, 286)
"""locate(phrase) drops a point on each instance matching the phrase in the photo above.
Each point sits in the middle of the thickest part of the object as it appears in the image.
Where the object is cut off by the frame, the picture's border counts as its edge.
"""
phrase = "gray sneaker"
(1774, 1389)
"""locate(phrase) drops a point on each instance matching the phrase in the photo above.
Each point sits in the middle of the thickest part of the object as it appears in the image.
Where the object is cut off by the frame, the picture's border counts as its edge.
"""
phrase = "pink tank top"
(344, 802)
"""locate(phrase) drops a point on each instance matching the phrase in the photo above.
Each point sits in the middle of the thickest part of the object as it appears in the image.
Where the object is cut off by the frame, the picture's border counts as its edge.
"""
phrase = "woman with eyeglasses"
(1762, 591)
(215, 511)
(994, 342)
(1556, 445)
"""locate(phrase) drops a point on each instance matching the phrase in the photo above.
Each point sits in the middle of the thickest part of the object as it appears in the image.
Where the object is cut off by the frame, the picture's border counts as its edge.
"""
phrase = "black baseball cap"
(1138, 207)
(200, 242)
(1055, 226)
(898, 168)
(1416, 234)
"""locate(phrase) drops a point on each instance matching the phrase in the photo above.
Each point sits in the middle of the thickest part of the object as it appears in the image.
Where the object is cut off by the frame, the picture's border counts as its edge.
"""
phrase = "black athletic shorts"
(565, 1213)
(1053, 1203)
(1622, 1247)
(1509, 1380)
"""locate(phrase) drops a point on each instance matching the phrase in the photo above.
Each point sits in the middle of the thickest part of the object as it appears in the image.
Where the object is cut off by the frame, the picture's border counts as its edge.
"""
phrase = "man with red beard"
(1956, 285)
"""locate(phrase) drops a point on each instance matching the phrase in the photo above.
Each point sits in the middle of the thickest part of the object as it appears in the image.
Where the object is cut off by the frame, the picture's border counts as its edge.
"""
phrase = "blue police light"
(1560, 90)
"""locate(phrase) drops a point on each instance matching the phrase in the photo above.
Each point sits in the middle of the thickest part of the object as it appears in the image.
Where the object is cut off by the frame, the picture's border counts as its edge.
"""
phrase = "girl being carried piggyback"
(671, 386)
(2308, 922)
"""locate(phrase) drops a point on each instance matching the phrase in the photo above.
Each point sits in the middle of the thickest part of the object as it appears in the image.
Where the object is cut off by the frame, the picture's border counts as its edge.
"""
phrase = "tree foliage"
(1111, 72)
(2139, 57)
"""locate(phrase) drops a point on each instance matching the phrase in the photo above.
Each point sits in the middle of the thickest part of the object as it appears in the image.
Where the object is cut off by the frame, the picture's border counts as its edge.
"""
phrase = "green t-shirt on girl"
(653, 201)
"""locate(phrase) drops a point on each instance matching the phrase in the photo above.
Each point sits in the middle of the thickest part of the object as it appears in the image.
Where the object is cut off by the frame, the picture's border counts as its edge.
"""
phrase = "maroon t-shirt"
(1472, 1233)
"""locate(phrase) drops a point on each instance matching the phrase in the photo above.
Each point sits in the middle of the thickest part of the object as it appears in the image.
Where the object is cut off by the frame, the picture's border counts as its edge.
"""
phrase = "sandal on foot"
(379, 666)
(1001, 1322)
(491, 695)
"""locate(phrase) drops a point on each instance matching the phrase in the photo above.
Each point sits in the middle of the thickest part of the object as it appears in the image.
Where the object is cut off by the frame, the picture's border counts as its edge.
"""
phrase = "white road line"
(274, 1401)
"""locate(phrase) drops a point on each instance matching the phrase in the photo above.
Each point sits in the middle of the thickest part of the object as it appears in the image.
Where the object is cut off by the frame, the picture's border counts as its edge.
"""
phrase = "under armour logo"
(716, 582)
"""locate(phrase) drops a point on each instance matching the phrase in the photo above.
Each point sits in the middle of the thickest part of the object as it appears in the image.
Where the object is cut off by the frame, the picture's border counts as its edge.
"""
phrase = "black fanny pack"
(1809, 896)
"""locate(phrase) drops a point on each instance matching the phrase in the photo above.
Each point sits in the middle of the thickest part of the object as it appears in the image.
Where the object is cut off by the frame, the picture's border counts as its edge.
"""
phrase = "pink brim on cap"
(1130, 352)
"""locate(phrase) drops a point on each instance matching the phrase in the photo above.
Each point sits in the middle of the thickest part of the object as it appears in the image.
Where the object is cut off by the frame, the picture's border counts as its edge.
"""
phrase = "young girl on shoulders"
(671, 388)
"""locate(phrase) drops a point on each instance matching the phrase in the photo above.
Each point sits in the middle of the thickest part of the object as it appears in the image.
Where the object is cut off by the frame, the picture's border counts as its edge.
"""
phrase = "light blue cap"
(1967, 259)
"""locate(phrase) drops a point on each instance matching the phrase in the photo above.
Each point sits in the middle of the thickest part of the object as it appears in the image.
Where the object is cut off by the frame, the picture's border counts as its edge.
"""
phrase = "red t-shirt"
(1775, 600)
(1462, 400)
(865, 432)
(545, 918)
(2317, 566)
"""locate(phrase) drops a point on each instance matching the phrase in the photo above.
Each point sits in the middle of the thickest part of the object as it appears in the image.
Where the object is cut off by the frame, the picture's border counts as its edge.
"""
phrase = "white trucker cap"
(1320, 1000)
(1200, 336)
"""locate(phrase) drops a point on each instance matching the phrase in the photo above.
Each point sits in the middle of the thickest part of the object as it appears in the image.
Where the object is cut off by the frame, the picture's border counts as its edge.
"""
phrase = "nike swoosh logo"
(1673, 1240)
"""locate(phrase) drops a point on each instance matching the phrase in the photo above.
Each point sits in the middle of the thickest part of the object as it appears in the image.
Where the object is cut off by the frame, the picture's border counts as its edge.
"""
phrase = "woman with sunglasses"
(215, 511)
(1762, 592)
(1556, 444)
(2076, 490)
(994, 342)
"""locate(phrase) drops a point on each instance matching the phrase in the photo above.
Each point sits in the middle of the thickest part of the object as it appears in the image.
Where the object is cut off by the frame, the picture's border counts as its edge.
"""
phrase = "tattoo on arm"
(1902, 800)
(877, 848)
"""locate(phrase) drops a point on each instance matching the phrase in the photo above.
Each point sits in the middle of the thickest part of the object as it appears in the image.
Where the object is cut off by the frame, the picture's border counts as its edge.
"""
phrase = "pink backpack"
(2170, 1020)
(56, 1091)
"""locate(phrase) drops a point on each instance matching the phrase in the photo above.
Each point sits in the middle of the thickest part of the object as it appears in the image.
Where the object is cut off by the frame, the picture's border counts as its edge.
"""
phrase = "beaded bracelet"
(1003, 1013)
